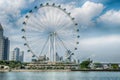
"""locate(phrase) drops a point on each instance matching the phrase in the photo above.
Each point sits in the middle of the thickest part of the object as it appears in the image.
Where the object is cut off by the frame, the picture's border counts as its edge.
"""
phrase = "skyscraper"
(16, 55)
(1, 43)
(21, 56)
(4, 45)
(57, 57)
(12, 56)
(6, 48)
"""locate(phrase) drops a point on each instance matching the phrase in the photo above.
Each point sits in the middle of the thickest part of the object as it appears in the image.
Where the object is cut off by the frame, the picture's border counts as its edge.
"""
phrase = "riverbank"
(41, 70)
(26, 70)
(4, 70)
(112, 70)
(67, 70)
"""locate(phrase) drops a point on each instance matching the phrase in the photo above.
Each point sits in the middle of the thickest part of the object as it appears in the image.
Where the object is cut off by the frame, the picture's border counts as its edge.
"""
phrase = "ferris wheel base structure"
(55, 62)
(51, 63)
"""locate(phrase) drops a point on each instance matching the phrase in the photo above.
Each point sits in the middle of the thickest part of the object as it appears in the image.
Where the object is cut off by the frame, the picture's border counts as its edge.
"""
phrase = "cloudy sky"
(99, 23)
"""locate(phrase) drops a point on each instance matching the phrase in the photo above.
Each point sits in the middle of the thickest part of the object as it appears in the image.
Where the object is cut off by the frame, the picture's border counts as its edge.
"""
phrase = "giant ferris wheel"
(50, 33)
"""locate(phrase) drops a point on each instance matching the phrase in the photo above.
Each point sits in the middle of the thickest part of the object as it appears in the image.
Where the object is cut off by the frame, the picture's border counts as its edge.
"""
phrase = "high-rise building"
(1, 43)
(21, 56)
(57, 57)
(68, 56)
(61, 58)
(16, 55)
(4, 45)
(6, 48)
(12, 56)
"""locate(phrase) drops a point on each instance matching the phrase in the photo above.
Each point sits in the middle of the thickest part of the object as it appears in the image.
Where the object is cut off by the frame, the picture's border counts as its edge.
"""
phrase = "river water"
(60, 76)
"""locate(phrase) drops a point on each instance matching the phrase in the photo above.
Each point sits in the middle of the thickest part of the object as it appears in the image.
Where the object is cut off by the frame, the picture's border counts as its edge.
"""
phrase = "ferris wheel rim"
(41, 6)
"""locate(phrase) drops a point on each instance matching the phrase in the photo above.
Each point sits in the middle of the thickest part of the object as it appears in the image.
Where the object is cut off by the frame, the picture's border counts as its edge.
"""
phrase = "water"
(60, 76)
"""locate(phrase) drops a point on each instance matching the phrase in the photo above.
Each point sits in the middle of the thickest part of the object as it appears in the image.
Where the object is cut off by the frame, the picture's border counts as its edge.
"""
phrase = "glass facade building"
(4, 45)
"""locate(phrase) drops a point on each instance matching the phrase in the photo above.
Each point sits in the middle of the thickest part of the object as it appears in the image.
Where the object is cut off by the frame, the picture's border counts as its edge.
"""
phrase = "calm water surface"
(60, 76)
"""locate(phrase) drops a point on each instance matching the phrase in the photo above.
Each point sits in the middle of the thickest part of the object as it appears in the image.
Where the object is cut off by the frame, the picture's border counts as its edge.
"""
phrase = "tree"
(12, 64)
(114, 66)
(85, 64)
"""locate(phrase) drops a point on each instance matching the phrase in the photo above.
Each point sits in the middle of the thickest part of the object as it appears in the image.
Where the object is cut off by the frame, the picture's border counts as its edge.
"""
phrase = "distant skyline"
(99, 22)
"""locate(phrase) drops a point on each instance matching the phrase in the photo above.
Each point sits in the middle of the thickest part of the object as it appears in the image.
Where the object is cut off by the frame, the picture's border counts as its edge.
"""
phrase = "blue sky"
(99, 19)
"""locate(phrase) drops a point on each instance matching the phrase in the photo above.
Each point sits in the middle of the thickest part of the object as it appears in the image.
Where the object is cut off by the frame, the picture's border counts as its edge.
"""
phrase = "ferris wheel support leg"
(49, 49)
(54, 51)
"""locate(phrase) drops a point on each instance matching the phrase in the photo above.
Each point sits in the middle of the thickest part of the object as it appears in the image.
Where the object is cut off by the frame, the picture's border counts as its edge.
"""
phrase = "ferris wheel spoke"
(47, 16)
(51, 17)
(60, 46)
(43, 20)
(59, 49)
(34, 40)
(57, 16)
(63, 20)
(44, 46)
(33, 34)
(64, 26)
(35, 48)
(32, 43)
(70, 38)
(33, 30)
(67, 33)
(37, 23)
(35, 26)
(62, 42)
(30, 39)
(58, 19)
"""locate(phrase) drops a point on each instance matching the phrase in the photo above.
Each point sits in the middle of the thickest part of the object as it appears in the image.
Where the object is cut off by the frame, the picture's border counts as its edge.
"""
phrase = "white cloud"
(10, 11)
(101, 40)
(110, 18)
(87, 12)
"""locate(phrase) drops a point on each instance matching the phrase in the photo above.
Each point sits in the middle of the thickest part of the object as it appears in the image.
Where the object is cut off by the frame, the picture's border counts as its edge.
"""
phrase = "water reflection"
(60, 76)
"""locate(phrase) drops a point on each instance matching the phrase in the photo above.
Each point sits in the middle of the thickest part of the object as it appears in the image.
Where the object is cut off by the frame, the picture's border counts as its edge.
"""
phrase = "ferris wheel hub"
(52, 33)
